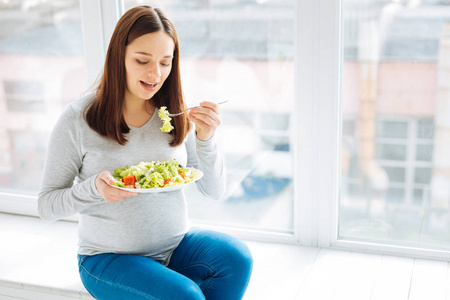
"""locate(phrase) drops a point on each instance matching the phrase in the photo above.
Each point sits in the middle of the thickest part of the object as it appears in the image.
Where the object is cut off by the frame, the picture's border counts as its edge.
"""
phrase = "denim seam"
(207, 286)
(199, 264)
(119, 285)
(203, 265)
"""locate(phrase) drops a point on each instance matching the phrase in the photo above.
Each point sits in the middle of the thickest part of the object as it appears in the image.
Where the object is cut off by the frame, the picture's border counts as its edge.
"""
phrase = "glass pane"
(395, 174)
(392, 129)
(246, 58)
(390, 152)
(422, 175)
(42, 70)
(396, 170)
(424, 152)
(425, 129)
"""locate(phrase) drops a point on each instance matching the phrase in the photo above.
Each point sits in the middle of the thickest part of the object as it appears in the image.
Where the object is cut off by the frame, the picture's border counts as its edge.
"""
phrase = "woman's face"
(148, 61)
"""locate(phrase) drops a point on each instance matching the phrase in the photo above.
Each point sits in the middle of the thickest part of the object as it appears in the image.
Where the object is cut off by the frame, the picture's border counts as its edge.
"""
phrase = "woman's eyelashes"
(164, 64)
(141, 62)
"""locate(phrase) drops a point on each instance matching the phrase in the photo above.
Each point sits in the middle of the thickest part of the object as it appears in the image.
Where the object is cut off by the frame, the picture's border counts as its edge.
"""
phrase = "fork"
(174, 115)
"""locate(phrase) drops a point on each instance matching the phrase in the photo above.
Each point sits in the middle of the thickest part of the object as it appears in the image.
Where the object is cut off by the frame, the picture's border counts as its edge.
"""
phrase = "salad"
(149, 175)
(162, 113)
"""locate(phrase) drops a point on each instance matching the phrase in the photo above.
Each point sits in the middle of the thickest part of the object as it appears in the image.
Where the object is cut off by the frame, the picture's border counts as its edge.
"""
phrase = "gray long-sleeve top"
(148, 224)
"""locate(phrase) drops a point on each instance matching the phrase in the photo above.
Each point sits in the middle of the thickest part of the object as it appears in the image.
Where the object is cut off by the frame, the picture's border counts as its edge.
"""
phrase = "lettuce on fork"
(162, 113)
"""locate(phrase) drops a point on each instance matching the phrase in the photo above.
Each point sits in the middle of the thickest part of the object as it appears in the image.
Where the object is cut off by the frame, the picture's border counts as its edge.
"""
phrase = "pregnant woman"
(140, 245)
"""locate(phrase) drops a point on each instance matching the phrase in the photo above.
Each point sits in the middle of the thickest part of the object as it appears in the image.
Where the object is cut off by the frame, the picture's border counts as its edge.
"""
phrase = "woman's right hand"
(109, 193)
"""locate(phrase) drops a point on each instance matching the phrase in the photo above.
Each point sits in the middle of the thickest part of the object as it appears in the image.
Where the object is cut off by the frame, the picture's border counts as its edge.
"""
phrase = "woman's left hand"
(206, 119)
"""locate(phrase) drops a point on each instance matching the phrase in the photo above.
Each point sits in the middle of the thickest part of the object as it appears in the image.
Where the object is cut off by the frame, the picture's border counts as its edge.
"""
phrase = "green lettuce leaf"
(162, 113)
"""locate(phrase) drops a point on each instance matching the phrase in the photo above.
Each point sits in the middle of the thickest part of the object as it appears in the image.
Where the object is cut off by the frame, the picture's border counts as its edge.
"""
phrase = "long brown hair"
(105, 113)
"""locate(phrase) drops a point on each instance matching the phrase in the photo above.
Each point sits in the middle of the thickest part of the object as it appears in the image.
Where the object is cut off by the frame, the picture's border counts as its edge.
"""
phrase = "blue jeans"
(205, 265)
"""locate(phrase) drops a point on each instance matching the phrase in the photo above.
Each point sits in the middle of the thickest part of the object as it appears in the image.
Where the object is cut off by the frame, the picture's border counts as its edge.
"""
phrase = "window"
(337, 129)
(43, 69)
(242, 51)
(395, 171)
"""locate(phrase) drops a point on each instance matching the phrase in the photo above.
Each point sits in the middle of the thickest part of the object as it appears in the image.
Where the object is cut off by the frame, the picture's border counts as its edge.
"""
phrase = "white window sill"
(38, 262)
(39, 259)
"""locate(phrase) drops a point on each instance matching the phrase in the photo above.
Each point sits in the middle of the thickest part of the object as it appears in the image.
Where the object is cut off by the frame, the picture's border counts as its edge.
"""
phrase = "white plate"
(162, 189)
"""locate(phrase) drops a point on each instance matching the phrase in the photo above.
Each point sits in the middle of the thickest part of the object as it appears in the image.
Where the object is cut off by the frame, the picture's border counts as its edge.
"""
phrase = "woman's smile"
(149, 86)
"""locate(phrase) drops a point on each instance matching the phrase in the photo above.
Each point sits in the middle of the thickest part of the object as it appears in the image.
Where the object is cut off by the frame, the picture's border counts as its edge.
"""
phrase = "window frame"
(318, 115)
(319, 119)
(329, 235)
(98, 18)
(312, 19)
(316, 135)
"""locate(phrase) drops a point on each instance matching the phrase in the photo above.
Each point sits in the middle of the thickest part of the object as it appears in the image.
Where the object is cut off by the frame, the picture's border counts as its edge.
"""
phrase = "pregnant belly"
(145, 228)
